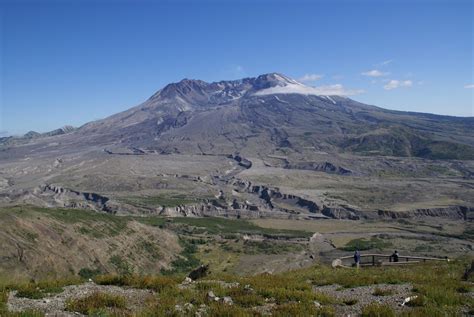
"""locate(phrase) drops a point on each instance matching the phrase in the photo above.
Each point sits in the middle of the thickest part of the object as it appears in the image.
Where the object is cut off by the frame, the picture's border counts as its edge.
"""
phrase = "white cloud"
(393, 83)
(470, 86)
(310, 77)
(4, 133)
(388, 61)
(236, 71)
(337, 89)
(374, 73)
(330, 90)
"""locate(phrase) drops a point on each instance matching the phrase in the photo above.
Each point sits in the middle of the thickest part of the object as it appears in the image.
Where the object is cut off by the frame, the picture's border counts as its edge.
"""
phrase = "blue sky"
(70, 62)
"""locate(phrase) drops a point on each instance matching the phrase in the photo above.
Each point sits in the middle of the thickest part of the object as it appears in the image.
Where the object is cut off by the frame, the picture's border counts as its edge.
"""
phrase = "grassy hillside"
(39, 242)
(139, 263)
(405, 142)
(439, 291)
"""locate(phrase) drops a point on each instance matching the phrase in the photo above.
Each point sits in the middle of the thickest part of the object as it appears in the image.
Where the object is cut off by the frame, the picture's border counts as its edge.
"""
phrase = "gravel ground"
(54, 305)
(364, 296)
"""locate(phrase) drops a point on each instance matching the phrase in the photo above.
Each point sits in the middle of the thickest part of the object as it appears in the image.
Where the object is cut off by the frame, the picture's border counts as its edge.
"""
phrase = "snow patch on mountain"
(332, 100)
(289, 89)
(298, 88)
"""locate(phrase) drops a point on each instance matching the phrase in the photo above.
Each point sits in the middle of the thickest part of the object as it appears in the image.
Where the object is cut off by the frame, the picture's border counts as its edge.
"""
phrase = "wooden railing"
(384, 259)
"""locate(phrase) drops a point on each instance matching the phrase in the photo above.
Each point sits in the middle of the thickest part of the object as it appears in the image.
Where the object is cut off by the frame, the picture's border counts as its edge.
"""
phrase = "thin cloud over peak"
(237, 70)
(298, 88)
(310, 77)
(394, 83)
(375, 73)
(337, 89)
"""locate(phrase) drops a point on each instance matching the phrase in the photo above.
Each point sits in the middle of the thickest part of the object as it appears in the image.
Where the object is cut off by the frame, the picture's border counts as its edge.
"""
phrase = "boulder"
(199, 272)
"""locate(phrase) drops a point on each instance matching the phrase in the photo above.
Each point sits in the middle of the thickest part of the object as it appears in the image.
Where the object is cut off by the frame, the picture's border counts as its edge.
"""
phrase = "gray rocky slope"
(272, 121)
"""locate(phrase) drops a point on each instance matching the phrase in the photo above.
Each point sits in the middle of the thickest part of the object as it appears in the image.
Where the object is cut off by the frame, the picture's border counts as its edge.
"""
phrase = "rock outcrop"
(326, 167)
(452, 212)
(58, 196)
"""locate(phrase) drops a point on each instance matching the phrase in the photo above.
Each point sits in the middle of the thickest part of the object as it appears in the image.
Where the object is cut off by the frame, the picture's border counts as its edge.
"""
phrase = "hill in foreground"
(65, 261)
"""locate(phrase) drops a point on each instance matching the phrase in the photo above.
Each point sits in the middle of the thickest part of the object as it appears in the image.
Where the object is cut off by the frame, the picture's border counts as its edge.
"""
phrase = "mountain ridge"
(224, 149)
(271, 108)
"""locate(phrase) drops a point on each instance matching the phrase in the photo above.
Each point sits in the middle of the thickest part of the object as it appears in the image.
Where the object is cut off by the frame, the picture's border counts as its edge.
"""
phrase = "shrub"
(350, 301)
(30, 291)
(366, 244)
(87, 273)
(442, 294)
(156, 283)
(94, 302)
(111, 279)
(302, 309)
(3, 299)
(464, 289)
(419, 301)
(382, 292)
(151, 248)
(37, 290)
(377, 310)
(187, 259)
(432, 311)
(244, 298)
(269, 247)
(220, 309)
(122, 266)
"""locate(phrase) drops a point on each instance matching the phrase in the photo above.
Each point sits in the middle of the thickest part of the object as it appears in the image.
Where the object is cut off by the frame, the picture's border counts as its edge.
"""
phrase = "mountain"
(15, 140)
(193, 116)
(268, 124)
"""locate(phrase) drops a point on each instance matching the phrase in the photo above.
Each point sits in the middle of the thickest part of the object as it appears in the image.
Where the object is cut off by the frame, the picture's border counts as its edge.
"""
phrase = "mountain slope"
(192, 117)
(236, 147)
(263, 114)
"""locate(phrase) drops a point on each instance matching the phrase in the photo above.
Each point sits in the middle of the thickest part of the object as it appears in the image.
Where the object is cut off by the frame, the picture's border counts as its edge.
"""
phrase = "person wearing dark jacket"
(395, 256)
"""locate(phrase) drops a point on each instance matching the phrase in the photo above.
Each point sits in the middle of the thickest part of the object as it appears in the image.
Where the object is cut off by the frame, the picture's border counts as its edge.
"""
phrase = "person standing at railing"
(395, 256)
(357, 258)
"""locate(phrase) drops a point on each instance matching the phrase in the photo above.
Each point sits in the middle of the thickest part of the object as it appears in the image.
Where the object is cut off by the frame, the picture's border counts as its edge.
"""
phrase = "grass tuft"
(377, 310)
(382, 292)
(95, 303)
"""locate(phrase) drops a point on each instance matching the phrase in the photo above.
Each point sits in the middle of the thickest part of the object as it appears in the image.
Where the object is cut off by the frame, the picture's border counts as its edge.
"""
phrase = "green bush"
(122, 266)
(377, 310)
(37, 290)
(94, 303)
(187, 260)
(157, 283)
(382, 292)
(366, 244)
(418, 301)
(302, 309)
(87, 273)
(350, 302)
